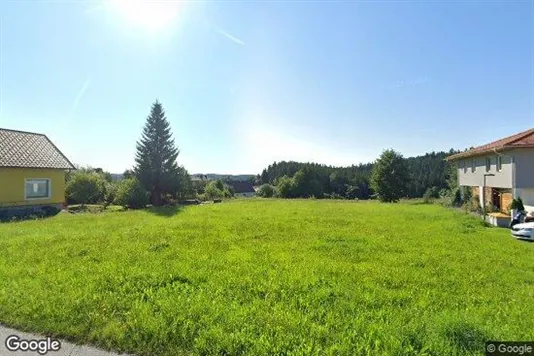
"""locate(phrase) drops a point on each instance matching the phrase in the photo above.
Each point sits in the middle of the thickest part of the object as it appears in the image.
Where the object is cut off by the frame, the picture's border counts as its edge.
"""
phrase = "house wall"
(517, 173)
(502, 178)
(12, 185)
(524, 167)
(505, 197)
(244, 195)
(527, 196)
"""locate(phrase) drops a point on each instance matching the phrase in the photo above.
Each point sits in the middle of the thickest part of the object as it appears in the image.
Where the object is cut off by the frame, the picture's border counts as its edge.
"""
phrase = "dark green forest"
(296, 179)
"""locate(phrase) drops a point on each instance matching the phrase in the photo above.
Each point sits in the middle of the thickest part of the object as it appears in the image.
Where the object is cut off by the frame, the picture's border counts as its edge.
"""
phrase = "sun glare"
(153, 16)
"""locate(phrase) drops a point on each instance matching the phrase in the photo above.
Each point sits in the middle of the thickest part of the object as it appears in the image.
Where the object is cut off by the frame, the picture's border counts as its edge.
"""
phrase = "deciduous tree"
(390, 176)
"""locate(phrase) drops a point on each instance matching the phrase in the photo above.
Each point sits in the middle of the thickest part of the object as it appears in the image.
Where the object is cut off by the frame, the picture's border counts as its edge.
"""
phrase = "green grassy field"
(270, 277)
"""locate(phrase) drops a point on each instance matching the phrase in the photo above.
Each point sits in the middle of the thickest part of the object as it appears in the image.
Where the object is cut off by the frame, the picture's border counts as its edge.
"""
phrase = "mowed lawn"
(270, 277)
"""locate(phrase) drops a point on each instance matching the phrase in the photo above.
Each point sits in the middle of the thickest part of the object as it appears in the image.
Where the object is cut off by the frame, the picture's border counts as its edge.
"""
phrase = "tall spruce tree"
(156, 167)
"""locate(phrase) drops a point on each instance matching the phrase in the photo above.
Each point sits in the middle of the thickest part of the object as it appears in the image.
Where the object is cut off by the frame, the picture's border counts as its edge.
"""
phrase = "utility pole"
(484, 195)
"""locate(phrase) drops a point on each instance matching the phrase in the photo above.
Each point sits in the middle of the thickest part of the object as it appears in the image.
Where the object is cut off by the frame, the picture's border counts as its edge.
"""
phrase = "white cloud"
(228, 36)
(411, 83)
(81, 93)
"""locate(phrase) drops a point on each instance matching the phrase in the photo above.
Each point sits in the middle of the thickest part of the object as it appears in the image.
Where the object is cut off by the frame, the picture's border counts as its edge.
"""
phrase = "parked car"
(524, 231)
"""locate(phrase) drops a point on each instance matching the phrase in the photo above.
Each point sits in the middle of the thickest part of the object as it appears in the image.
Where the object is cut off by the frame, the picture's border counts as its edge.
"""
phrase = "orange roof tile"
(522, 139)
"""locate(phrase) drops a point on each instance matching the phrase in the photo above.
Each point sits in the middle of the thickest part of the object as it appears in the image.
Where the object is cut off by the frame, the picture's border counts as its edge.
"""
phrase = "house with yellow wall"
(32, 172)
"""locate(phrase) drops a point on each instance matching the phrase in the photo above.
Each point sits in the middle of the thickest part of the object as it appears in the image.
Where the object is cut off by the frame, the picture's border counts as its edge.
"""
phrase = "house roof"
(30, 150)
(522, 139)
(241, 187)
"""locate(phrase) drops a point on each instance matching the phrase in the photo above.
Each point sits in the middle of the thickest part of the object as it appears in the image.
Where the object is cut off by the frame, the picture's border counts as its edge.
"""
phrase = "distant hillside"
(209, 176)
(116, 176)
(214, 176)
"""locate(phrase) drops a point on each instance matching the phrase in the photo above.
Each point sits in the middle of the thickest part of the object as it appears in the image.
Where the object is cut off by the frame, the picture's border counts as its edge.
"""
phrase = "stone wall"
(506, 201)
(506, 197)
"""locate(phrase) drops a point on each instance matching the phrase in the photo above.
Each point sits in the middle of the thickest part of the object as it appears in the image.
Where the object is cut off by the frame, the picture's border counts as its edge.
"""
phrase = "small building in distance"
(242, 189)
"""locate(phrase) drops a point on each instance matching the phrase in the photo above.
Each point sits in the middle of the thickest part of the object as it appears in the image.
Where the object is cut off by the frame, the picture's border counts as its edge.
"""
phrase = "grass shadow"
(87, 208)
(166, 211)
(28, 213)
(93, 208)
(465, 336)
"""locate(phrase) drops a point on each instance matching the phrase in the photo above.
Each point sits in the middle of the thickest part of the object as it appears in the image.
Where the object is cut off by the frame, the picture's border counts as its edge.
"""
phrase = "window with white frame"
(499, 163)
(38, 188)
(473, 165)
(488, 164)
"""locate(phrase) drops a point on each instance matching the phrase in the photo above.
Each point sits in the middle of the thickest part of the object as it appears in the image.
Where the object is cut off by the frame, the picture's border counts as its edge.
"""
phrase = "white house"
(500, 171)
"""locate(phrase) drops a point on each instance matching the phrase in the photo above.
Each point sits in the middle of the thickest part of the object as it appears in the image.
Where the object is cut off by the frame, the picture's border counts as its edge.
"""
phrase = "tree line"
(413, 177)
(156, 177)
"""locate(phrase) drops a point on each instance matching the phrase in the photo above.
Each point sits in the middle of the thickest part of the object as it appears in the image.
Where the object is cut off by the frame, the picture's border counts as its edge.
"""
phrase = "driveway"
(66, 348)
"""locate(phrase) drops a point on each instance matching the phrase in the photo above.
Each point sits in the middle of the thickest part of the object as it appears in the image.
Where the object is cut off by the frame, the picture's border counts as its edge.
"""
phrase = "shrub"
(185, 188)
(517, 204)
(266, 191)
(285, 187)
(217, 189)
(456, 197)
(467, 194)
(131, 194)
(219, 184)
(85, 188)
(431, 194)
(473, 205)
(110, 192)
(199, 186)
(213, 190)
(169, 200)
(490, 208)
(352, 192)
(444, 193)
(333, 196)
(228, 191)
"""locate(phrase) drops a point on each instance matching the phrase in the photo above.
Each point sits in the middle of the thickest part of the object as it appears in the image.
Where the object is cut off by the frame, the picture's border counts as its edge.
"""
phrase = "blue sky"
(246, 83)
